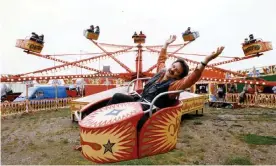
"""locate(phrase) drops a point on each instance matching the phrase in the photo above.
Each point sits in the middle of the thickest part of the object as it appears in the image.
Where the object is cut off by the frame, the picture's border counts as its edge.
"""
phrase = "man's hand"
(214, 54)
(170, 40)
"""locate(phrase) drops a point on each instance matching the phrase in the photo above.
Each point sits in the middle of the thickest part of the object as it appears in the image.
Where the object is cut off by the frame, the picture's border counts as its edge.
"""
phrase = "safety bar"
(85, 33)
(78, 116)
(158, 96)
(146, 78)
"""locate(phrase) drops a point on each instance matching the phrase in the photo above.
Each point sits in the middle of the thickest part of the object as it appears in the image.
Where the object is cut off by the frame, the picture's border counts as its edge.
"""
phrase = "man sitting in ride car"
(188, 31)
(34, 37)
(91, 29)
(97, 30)
(171, 79)
(246, 41)
(251, 39)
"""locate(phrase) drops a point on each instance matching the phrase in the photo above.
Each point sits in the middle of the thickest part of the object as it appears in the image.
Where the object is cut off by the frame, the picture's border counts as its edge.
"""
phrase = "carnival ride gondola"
(125, 131)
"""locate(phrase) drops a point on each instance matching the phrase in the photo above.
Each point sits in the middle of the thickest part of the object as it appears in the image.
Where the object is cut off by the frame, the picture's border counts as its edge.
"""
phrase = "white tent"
(56, 82)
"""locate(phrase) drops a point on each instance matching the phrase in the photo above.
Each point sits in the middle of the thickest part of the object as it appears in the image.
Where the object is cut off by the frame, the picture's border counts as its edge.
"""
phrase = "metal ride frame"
(129, 74)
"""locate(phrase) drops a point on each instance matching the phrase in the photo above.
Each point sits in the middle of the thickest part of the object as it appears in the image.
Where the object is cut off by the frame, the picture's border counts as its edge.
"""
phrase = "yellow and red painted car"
(191, 36)
(256, 47)
(29, 45)
(110, 133)
(90, 35)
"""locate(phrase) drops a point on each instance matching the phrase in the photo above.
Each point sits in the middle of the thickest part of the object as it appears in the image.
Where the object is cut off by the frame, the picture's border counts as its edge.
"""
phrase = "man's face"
(174, 71)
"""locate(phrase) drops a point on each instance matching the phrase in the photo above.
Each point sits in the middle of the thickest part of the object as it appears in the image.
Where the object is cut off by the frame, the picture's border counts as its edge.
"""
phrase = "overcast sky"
(219, 22)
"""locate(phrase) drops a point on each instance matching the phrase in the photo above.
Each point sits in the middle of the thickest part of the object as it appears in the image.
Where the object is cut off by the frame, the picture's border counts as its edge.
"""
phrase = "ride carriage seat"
(125, 131)
(161, 101)
(128, 131)
(158, 103)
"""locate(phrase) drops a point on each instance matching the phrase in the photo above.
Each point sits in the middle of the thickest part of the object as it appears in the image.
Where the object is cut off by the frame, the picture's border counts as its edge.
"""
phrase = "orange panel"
(257, 47)
(29, 45)
(109, 134)
(90, 35)
(213, 73)
(189, 37)
(212, 88)
(159, 133)
(92, 89)
(139, 40)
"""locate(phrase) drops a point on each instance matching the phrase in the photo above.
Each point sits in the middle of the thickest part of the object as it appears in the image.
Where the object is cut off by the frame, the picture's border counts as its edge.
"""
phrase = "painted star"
(108, 147)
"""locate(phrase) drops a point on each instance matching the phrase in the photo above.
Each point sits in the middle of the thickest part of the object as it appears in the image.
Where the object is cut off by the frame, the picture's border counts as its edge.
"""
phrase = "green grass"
(143, 161)
(170, 158)
(238, 161)
(259, 140)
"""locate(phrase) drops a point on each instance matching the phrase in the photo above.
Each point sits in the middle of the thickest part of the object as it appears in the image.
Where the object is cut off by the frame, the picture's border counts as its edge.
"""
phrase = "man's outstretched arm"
(196, 74)
(163, 53)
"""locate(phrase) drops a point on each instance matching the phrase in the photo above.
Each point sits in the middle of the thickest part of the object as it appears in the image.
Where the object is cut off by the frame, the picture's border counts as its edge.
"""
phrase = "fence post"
(27, 98)
(56, 97)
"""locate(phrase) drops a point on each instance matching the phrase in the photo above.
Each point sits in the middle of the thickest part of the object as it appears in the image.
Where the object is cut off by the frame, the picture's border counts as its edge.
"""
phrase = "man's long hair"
(184, 66)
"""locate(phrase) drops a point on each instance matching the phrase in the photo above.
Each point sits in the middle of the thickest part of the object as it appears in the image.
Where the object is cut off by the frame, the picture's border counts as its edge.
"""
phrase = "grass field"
(243, 136)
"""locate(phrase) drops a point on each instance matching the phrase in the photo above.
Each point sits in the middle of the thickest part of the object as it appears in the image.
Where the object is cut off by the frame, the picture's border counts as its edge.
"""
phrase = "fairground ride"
(212, 72)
